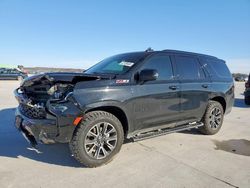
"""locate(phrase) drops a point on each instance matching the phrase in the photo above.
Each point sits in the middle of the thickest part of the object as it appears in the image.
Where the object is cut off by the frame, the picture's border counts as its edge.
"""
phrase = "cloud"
(239, 65)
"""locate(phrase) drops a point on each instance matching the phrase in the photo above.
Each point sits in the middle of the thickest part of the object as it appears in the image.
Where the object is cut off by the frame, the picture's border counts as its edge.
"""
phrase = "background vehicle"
(247, 91)
(11, 74)
(240, 79)
(127, 96)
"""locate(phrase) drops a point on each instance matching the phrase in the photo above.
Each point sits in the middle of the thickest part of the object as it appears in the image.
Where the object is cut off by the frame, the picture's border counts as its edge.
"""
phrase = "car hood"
(59, 77)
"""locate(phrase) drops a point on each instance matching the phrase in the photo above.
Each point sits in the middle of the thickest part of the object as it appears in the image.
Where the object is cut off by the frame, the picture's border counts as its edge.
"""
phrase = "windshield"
(117, 64)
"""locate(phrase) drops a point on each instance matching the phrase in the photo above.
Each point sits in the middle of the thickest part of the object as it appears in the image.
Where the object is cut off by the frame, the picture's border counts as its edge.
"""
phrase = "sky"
(78, 34)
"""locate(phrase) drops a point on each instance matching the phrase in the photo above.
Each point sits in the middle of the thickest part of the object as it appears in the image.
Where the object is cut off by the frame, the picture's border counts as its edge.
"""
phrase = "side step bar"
(161, 132)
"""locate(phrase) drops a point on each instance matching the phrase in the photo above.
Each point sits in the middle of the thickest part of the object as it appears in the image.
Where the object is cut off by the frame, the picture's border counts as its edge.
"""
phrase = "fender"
(114, 107)
(104, 94)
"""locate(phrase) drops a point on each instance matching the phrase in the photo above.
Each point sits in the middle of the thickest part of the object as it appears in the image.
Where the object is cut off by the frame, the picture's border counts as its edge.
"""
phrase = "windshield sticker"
(122, 81)
(126, 63)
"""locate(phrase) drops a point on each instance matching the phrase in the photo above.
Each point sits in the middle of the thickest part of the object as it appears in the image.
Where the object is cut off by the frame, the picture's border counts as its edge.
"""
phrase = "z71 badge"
(122, 81)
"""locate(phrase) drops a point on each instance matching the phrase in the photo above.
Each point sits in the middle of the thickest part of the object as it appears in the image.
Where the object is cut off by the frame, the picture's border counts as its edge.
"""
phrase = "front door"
(156, 103)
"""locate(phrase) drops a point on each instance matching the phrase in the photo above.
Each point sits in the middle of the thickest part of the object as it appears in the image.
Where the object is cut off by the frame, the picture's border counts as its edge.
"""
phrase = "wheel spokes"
(111, 130)
(215, 118)
(93, 134)
(101, 140)
(91, 149)
(105, 127)
(97, 152)
(110, 146)
(89, 142)
(111, 138)
(105, 153)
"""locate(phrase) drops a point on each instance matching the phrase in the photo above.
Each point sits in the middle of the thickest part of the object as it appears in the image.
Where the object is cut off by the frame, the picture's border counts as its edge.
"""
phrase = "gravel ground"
(186, 159)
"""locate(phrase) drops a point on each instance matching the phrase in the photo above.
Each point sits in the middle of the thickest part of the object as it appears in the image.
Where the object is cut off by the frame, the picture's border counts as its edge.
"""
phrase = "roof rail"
(185, 52)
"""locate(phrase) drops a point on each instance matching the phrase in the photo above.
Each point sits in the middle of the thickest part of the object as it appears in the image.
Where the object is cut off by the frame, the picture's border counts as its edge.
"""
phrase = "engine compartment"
(40, 88)
(52, 87)
(40, 94)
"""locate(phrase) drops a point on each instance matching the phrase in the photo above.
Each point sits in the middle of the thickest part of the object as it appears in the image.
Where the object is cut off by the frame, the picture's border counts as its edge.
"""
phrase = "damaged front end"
(47, 108)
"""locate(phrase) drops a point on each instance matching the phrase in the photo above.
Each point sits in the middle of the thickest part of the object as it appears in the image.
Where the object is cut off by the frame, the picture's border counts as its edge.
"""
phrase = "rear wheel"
(97, 139)
(213, 118)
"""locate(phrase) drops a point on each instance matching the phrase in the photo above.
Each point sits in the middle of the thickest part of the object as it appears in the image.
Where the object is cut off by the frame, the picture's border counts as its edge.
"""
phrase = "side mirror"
(148, 75)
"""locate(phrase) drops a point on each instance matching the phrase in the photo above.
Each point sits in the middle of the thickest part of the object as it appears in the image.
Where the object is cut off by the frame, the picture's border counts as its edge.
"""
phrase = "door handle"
(204, 85)
(173, 87)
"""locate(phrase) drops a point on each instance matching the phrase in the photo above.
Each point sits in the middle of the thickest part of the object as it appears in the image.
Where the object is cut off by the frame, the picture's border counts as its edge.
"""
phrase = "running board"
(161, 132)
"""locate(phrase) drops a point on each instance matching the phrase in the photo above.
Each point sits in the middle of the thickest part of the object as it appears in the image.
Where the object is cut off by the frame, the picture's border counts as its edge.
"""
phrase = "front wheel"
(98, 139)
(213, 118)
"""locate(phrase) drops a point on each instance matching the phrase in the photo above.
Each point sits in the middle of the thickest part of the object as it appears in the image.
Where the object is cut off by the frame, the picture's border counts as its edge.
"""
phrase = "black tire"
(247, 100)
(93, 120)
(213, 118)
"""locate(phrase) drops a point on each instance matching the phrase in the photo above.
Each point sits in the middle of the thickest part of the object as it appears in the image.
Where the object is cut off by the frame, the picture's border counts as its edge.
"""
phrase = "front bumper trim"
(34, 130)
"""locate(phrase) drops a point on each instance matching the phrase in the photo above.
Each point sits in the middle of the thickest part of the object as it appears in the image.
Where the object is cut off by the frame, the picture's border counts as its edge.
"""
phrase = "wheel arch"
(221, 100)
(117, 112)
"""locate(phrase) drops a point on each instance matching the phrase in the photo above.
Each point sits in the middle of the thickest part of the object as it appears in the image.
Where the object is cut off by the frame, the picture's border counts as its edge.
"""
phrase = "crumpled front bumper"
(56, 127)
(35, 130)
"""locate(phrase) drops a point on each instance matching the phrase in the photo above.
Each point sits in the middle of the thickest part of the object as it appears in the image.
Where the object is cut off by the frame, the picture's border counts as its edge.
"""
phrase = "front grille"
(32, 112)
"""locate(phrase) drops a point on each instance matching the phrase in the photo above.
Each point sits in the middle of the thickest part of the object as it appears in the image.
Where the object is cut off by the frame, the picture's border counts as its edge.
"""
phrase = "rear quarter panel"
(225, 90)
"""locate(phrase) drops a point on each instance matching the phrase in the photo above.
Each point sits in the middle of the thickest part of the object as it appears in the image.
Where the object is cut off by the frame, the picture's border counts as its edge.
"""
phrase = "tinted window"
(189, 68)
(162, 64)
(218, 67)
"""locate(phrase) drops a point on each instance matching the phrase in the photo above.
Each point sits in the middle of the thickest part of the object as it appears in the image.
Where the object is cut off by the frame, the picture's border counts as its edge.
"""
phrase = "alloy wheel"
(100, 140)
(215, 118)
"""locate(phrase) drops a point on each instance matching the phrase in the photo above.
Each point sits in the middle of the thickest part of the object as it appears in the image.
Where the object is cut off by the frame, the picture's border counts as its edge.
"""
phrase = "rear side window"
(162, 64)
(218, 67)
(189, 68)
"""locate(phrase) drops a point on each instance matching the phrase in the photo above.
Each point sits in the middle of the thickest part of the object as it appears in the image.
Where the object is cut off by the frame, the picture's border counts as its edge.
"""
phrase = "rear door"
(194, 88)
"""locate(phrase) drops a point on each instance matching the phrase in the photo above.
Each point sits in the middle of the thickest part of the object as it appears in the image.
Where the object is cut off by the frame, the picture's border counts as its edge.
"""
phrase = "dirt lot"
(186, 159)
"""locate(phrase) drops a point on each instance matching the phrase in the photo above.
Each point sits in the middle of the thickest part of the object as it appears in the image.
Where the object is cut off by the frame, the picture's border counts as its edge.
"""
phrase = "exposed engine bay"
(39, 94)
(38, 90)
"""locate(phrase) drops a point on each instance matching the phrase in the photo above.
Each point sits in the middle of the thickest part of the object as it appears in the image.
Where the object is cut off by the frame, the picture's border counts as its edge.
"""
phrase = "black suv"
(129, 96)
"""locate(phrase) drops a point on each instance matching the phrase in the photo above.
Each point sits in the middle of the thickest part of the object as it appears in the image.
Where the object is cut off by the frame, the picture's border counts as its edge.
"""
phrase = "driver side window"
(162, 64)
